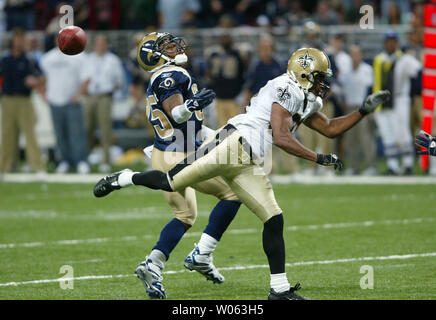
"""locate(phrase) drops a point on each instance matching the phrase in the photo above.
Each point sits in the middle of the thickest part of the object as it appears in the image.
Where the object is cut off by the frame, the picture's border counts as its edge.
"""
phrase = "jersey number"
(163, 128)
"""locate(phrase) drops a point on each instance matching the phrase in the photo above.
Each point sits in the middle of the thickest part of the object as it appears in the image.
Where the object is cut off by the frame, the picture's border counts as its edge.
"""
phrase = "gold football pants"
(184, 202)
(226, 154)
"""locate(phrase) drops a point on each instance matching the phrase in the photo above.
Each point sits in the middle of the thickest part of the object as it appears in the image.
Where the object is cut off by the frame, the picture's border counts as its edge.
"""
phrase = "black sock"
(153, 179)
(274, 244)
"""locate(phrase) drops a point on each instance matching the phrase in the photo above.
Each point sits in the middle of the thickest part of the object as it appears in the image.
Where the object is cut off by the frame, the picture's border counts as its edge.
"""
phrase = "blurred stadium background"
(333, 226)
(331, 25)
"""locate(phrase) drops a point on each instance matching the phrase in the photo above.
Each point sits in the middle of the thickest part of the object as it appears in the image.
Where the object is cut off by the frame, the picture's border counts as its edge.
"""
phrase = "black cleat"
(108, 184)
(287, 295)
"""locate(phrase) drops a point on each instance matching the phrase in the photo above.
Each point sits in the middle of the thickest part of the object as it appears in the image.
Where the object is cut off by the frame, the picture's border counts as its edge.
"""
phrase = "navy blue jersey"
(170, 135)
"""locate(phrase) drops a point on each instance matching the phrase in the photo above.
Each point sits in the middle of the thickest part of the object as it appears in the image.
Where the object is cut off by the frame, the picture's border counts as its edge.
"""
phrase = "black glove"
(330, 160)
(423, 139)
(200, 100)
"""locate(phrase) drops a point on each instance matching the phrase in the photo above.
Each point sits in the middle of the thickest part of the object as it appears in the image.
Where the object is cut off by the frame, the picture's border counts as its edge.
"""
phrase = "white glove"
(148, 151)
(374, 100)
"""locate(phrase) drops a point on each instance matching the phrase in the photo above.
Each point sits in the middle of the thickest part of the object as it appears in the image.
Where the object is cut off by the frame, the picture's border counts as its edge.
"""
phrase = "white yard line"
(234, 231)
(242, 267)
(296, 178)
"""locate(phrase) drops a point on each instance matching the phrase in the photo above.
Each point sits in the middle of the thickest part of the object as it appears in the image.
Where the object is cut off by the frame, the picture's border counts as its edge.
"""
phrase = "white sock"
(158, 258)
(207, 244)
(393, 164)
(279, 282)
(125, 178)
(408, 160)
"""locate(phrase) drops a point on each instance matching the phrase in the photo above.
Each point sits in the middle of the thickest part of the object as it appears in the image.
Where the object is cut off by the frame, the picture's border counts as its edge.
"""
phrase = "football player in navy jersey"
(174, 108)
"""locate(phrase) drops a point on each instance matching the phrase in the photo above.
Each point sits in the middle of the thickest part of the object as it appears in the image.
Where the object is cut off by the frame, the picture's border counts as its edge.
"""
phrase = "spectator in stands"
(212, 11)
(175, 14)
(393, 70)
(277, 12)
(3, 24)
(196, 66)
(137, 14)
(325, 15)
(20, 75)
(352, 13)
(395, 12)
(107, 75)
(104, 14)
(32, 48)
(81, 13)
(138, 117)
(66, 81)
(263, 69)
(246, 11)
(296, 15)
(356, 84)
(342, 58)
(225, 75)
(20, 14)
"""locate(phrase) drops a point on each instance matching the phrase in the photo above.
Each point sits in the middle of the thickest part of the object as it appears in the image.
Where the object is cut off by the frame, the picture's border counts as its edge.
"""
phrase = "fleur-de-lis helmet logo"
(305, 60)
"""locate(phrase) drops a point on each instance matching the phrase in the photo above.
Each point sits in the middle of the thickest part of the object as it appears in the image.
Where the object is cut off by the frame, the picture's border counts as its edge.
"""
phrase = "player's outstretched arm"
(181, 110)
(426, 141)
(331, 128)
(281, 123)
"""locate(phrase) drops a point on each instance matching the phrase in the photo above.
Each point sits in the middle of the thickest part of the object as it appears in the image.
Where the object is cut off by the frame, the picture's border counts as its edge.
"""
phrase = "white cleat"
(203, 263)
(151, 277)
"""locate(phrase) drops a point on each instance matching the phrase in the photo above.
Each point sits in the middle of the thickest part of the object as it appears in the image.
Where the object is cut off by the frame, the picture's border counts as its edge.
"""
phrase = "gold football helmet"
(310, 67)
(157, 49)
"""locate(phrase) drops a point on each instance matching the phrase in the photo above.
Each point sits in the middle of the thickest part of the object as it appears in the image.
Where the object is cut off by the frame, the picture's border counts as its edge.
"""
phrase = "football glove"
(374, 100)
(330, 160)
(423, 139)
(200, 100)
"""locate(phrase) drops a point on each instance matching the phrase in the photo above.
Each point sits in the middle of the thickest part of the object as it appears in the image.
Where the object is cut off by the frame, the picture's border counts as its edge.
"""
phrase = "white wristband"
(181, 113)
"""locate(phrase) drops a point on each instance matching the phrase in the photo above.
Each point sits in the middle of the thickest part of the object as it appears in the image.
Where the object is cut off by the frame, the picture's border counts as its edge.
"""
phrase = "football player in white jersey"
(234, 150)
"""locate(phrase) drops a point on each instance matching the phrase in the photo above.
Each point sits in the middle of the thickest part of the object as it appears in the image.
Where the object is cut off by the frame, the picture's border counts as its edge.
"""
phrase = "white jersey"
(254, 125)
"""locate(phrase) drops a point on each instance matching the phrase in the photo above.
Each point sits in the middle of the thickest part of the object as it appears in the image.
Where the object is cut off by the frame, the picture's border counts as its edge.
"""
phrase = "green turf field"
(330, 233)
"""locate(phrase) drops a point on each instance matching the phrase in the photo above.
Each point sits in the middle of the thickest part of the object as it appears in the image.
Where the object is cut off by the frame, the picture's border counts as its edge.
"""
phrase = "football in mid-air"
(72, 40)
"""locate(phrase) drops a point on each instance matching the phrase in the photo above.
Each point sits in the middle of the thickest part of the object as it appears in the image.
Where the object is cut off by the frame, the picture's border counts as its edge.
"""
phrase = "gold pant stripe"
(184, 202)
(246, 179)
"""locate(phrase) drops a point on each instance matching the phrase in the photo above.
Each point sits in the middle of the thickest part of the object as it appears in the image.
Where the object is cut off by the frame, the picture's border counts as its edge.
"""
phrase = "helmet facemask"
(318, 84)
(176, 55)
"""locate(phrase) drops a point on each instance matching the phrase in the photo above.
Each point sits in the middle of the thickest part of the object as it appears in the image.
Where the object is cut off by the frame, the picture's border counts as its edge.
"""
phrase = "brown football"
(72, 40)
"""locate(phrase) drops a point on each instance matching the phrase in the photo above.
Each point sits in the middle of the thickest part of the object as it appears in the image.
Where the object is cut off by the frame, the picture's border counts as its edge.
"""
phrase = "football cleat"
(202, 263)
(108, 184)
(286, 295)
(151, 277)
